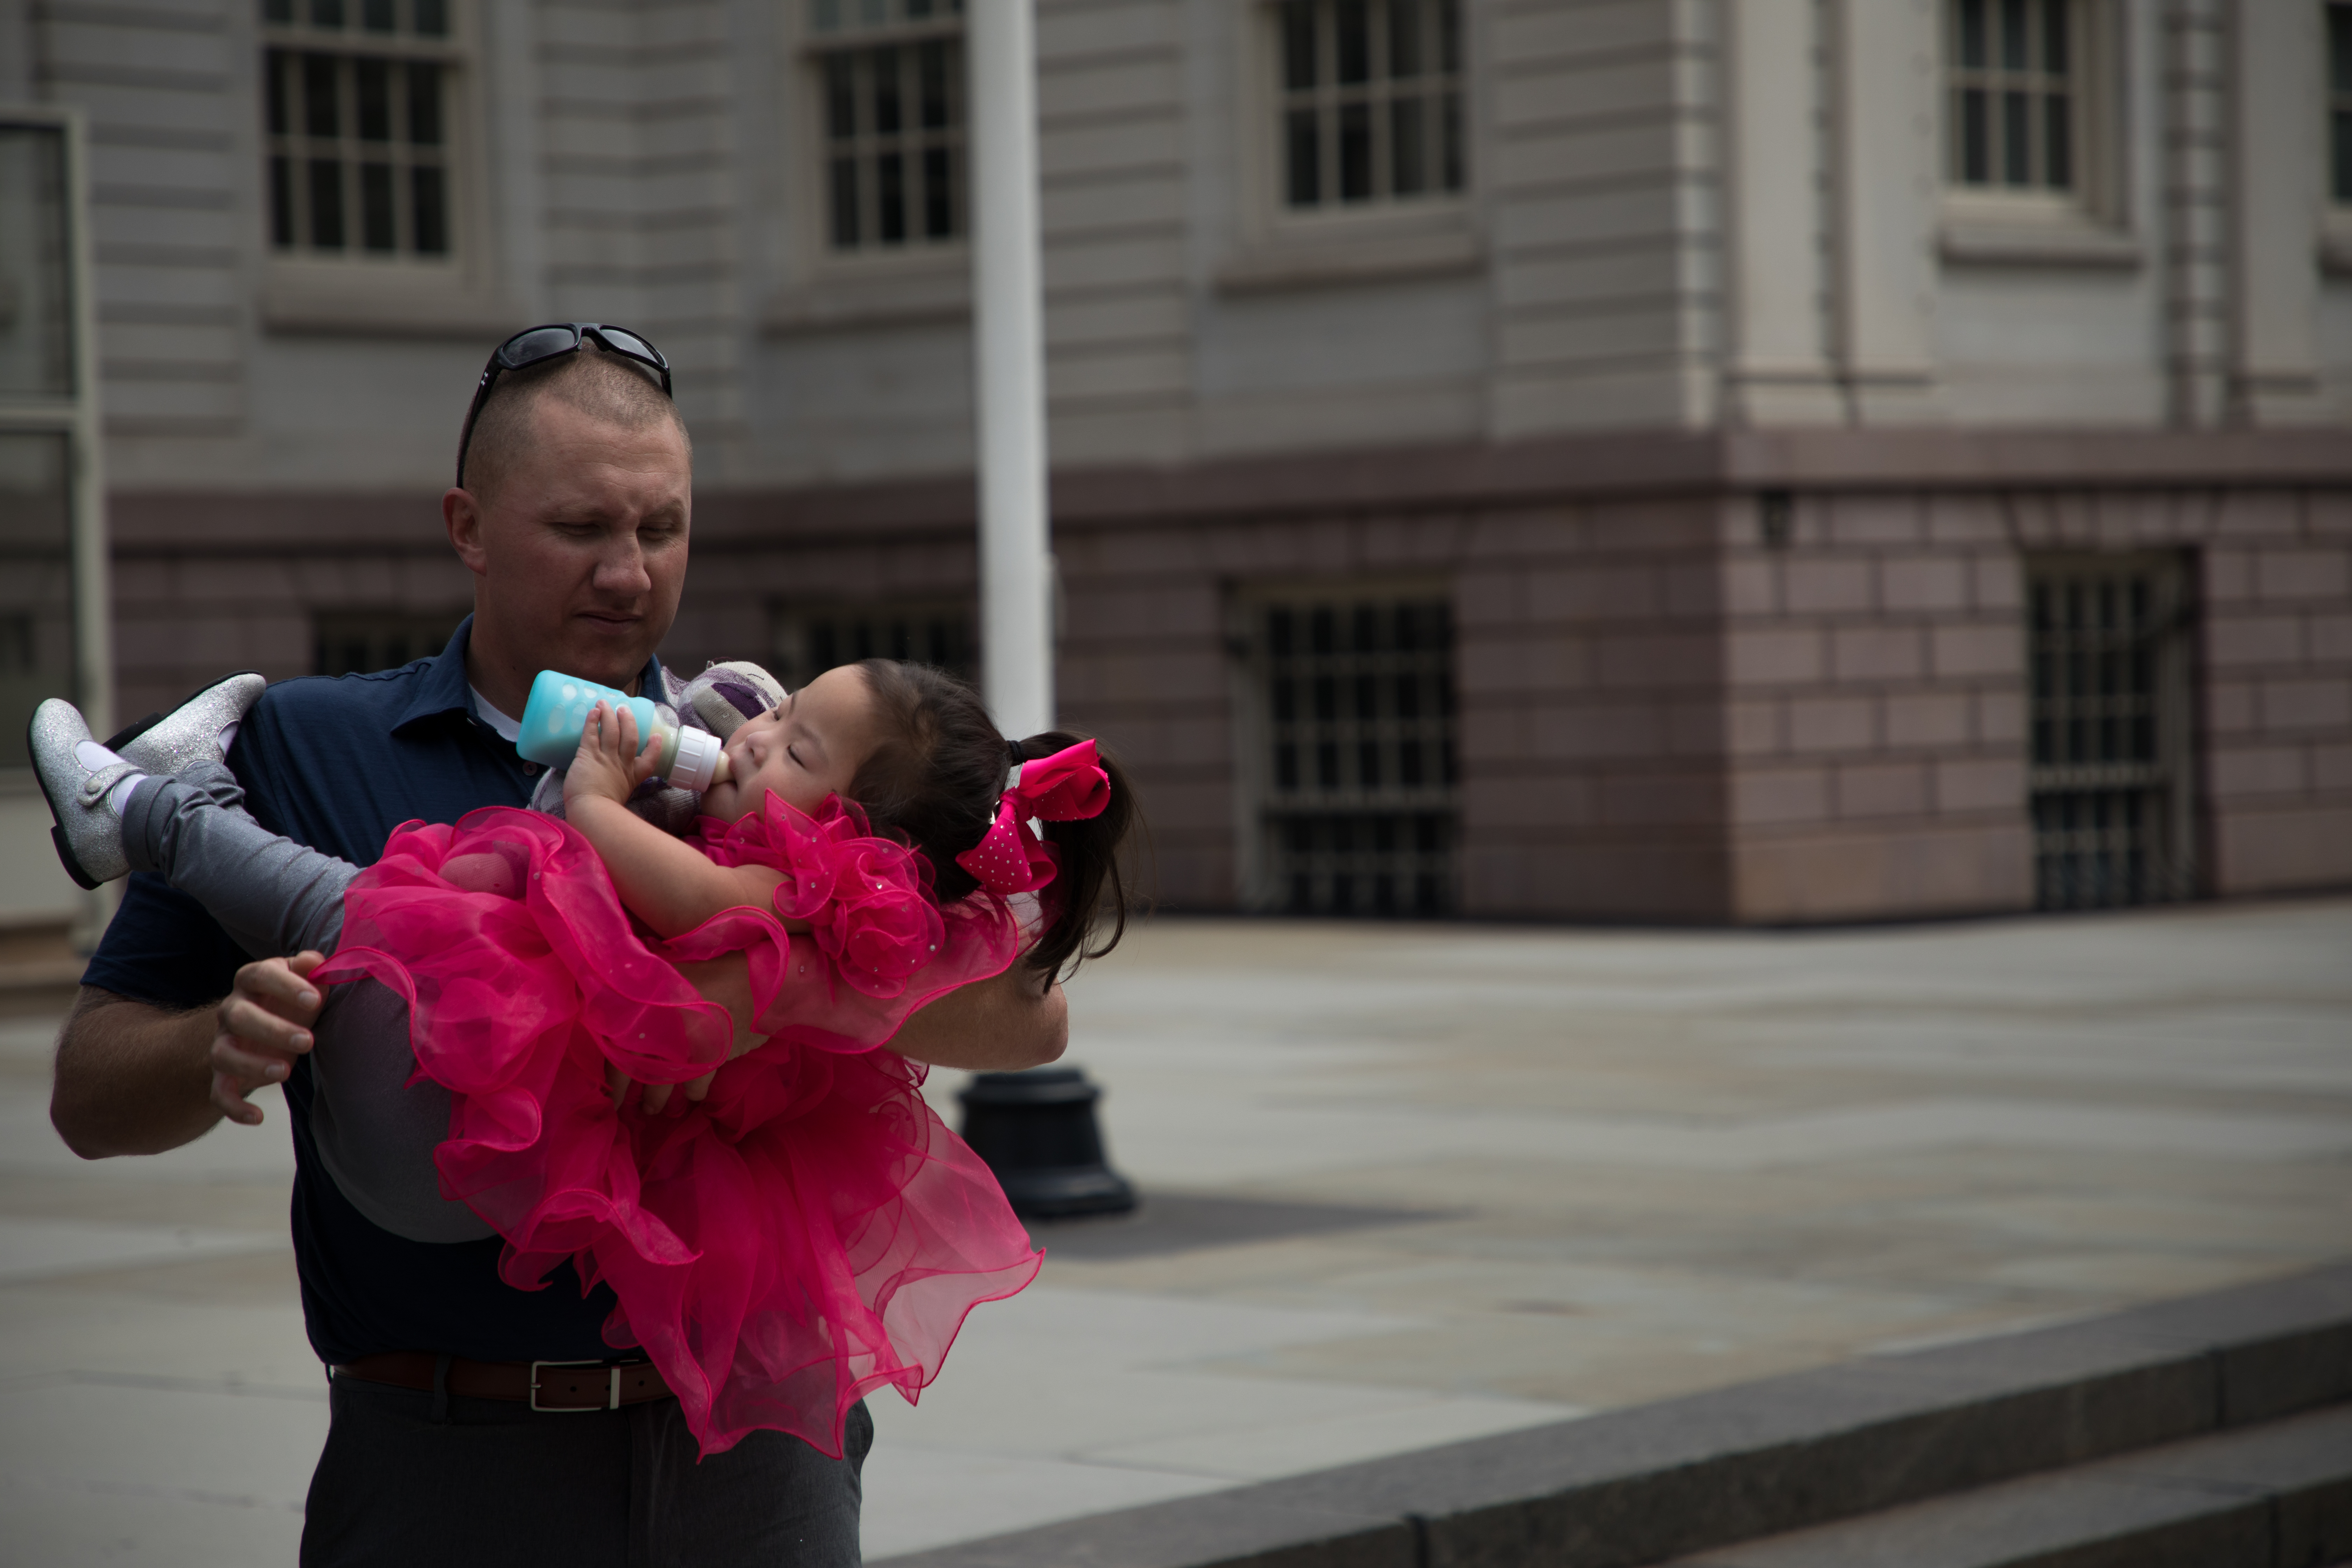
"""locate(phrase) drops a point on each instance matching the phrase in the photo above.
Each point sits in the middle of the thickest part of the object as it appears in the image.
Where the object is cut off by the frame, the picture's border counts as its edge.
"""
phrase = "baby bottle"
(558, 711)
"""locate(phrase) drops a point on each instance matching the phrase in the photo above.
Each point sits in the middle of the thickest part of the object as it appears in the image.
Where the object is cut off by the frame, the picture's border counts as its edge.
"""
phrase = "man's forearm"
(132, 1079)
(993, 1025)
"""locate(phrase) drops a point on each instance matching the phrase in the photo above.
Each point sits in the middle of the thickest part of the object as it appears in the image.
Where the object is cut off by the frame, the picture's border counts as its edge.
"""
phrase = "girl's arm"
(666, 882)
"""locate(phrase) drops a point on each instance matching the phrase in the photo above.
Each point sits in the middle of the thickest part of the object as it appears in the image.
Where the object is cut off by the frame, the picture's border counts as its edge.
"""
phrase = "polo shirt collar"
(442, 686)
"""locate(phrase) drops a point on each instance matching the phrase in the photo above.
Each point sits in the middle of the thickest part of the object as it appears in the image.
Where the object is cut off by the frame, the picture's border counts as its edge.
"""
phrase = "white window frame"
(2335, 211)
(826, 289)
(370, 293)
(2086, 224)
(1278, 247)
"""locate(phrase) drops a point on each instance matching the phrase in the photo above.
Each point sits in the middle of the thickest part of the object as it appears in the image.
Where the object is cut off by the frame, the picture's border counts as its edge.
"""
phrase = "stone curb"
(1642, 1485)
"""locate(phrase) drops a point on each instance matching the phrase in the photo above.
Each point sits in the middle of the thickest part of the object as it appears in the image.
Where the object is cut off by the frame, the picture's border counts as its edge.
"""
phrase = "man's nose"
(622, 569)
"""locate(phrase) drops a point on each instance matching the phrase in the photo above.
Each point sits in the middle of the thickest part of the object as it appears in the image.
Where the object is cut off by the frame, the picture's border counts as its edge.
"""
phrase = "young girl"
(798, 1227)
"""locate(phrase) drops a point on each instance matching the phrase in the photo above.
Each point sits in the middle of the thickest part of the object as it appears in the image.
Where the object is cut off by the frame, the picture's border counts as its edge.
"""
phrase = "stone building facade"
(1693, 460)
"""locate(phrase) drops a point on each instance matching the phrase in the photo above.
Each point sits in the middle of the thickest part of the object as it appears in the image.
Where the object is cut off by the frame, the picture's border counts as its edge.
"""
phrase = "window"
(1370, 101)
(2015, 102)
(2339, 102)
(349, 642)
(1356, 764)
(2110, 774)
(809, 639)
(358, 98)
(890, 86)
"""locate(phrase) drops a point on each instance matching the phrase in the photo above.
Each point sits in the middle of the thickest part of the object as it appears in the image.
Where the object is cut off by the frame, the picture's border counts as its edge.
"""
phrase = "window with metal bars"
(1358, 800)
(2110, 778)
(806, 640)
(2015, 105)
(357, 98)
(2339, 102)
(1370, 101)
(890, 80)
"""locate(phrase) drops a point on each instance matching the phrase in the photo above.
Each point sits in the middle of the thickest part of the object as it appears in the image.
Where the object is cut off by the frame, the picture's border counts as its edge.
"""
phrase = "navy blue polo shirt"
(337, 763)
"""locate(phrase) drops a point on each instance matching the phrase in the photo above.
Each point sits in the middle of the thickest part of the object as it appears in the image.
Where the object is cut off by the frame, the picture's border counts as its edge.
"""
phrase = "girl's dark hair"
(934, 783)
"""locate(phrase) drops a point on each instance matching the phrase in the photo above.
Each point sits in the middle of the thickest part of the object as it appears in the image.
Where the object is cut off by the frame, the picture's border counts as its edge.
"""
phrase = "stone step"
(2273, 1496)
(1632, 1488)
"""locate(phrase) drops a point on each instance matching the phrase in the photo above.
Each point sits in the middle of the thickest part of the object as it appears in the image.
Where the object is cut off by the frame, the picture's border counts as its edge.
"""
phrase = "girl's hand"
(608, 766)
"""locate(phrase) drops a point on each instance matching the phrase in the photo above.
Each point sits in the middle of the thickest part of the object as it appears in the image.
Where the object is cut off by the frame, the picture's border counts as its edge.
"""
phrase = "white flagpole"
(1016, 599)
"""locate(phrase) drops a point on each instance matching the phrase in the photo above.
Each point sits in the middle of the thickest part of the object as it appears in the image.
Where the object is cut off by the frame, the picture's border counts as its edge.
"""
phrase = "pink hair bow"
(1068, 786)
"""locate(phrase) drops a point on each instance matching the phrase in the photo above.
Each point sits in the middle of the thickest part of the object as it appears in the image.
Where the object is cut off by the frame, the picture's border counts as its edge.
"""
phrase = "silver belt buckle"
(614, 1398)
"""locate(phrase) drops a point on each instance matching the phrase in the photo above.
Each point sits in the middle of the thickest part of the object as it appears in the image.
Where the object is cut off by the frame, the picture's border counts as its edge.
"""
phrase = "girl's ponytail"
(1088, 850)
(935, 781)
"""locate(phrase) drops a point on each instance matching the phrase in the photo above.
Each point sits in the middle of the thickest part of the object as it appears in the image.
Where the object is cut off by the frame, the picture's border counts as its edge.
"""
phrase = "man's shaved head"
(605, 386)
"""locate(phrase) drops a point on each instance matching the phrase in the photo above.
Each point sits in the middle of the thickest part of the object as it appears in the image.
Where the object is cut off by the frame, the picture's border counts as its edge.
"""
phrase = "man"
(573, 511)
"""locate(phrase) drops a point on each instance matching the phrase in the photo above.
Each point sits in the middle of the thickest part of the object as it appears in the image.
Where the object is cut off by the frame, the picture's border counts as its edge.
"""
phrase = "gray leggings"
(273, 897)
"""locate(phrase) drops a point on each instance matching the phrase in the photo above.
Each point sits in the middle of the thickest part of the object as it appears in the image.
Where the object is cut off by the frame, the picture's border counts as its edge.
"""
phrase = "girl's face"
(810, 748)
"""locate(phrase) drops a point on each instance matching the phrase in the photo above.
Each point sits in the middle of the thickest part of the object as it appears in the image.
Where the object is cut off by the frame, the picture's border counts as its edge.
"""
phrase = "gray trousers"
(275, 897)
(409, 1477)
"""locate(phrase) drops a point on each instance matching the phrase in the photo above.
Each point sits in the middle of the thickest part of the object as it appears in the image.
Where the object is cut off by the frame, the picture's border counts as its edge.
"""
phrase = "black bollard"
(1036, 1129)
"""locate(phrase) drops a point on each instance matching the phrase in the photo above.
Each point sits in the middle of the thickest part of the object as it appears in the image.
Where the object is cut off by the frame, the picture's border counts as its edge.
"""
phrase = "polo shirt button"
(529, 770)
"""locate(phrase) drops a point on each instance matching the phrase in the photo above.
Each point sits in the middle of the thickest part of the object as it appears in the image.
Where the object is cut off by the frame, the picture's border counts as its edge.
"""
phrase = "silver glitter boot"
(191, 734)
(87, 835)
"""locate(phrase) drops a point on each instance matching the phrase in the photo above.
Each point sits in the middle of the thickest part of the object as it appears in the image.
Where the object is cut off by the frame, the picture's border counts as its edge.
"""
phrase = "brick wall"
(1873, 709)
(1662, 716)
(1593, 718)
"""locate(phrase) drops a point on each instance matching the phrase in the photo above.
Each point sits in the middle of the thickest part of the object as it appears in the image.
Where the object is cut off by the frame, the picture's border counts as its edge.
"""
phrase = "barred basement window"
(2014, 98)
(354, 642)
(806, 640)
(890, 78)
(2111, 749)
(1358, 805)
(357, 97)
(1370, 101)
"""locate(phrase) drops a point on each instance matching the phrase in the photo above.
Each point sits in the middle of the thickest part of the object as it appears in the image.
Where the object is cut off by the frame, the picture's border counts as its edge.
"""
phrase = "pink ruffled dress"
(809, 1232)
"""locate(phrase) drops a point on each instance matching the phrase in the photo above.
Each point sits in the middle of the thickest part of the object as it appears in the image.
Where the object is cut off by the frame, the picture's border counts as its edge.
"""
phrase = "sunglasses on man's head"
(537, 346)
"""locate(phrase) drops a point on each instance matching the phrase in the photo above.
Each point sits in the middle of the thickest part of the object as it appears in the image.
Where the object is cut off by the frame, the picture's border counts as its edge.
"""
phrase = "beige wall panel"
(1110, 263)
(1119, 85)
(1886, 179)
(1651, 393)
(1527, 33)
(132, 172)
(1148, 142)
(1528, 97)
(1617, 151)
(1413, 413)
(1067, 31)
(1775, 336)
(1071, 205)
(1631, 330)
(107, 44)
(1114, 372)
(2276, 185)
(1154, 316)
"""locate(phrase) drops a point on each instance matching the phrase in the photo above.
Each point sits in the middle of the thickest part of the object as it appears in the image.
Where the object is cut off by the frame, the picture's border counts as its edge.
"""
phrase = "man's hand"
(263, 1025)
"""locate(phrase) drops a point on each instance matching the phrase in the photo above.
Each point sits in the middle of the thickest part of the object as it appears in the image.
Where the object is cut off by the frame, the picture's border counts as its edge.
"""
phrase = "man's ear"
(461, 513)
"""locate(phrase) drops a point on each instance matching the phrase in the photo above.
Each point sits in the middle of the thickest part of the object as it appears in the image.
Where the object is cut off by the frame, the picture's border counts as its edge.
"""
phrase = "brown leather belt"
(541, 1385)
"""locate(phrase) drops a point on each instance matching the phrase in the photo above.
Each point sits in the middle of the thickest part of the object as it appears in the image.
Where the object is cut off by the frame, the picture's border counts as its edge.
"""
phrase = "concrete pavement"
(1414, 1185)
